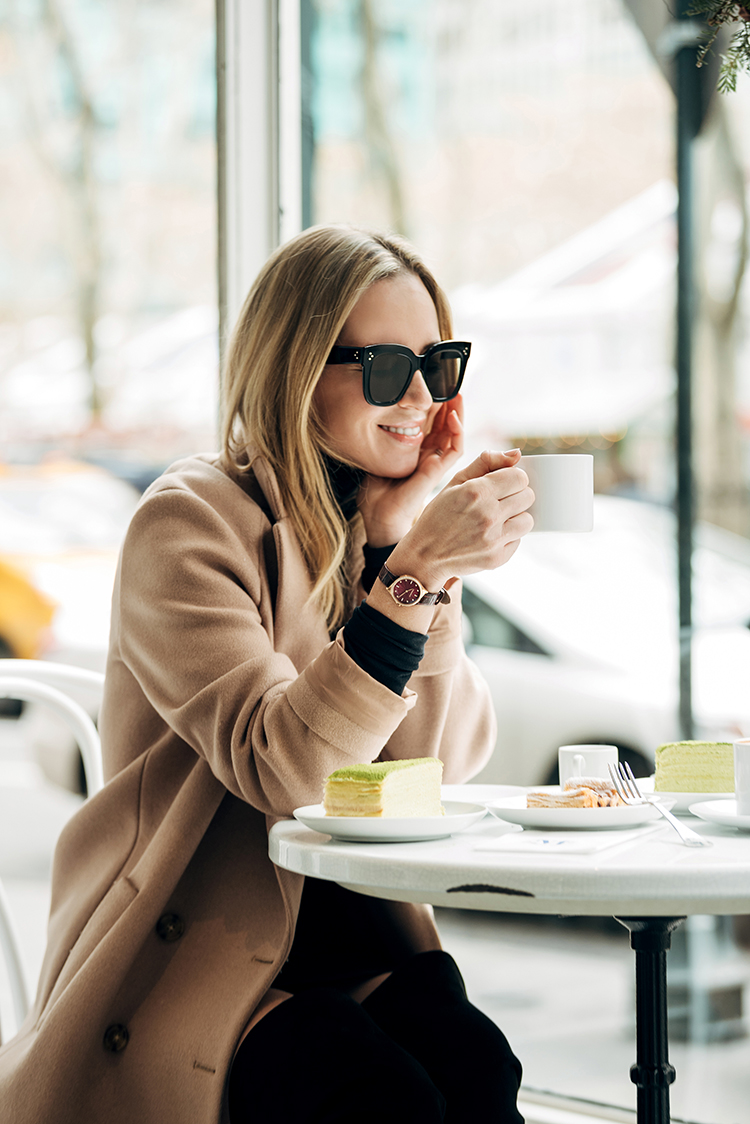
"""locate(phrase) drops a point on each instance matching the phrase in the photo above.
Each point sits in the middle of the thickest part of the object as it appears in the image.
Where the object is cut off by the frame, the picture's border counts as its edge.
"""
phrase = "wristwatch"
(406, 590)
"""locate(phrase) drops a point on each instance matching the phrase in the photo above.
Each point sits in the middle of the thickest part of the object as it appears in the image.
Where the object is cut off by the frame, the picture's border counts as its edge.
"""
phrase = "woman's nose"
(417, 395)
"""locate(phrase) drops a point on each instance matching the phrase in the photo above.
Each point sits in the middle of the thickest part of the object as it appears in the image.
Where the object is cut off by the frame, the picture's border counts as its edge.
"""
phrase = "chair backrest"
(46, 683)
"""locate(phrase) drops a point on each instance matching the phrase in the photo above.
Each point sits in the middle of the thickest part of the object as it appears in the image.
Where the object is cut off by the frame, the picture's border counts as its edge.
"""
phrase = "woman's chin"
(396, 468)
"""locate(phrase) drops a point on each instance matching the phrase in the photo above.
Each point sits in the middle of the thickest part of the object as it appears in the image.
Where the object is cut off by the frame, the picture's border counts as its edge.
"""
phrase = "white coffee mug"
(742, 776)
(585, 761)
(563, 484)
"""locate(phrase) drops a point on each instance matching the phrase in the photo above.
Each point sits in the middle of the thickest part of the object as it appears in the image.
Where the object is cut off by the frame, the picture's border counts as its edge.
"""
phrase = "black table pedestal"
(650, 938)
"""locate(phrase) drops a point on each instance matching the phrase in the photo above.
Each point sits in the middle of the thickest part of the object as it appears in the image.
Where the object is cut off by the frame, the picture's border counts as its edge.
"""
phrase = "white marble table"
(649, 883)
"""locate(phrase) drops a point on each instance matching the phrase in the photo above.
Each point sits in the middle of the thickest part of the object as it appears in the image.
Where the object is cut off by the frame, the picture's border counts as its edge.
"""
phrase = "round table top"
(647, 873)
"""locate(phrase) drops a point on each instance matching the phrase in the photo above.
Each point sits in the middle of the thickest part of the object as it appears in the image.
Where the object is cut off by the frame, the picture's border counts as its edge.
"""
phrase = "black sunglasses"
(388, 368)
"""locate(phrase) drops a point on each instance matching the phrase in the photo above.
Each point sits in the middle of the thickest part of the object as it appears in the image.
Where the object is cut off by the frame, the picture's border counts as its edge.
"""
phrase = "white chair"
(46, 683)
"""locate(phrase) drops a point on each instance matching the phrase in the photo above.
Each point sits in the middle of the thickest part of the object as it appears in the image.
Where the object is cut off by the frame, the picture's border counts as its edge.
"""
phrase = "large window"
(107, 229)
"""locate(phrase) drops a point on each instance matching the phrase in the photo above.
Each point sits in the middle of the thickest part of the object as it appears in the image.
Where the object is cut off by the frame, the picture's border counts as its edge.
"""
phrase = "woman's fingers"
(518, 525)
(497, 485)
(517, 503)
(456, 427)
(477, 521)
(470, 526)
(454, 422)
(487, 462)
(446, 427)
(510, 549)
(495, 525)
(441, 448)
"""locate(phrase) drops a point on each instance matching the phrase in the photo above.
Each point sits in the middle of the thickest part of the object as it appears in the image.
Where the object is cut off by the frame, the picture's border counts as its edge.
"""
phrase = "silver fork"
(627, 789)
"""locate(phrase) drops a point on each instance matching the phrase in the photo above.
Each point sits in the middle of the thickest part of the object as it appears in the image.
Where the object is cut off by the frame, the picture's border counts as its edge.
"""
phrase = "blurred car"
(61, 525)
(25, 614)
(577, 637)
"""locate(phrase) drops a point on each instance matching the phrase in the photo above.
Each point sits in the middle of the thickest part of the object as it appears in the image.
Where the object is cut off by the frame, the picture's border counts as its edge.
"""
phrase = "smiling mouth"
(404, 430)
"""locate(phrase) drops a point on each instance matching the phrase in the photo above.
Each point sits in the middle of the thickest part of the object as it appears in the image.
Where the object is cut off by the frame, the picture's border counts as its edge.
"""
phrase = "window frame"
(259, 142)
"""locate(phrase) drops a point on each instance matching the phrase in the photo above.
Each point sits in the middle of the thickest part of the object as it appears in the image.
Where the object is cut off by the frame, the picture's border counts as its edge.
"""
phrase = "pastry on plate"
(386, 788)
(578, 792)
(694, 767)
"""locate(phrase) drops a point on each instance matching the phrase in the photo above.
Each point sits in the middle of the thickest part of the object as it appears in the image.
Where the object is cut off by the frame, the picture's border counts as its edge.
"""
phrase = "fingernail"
(509, 452)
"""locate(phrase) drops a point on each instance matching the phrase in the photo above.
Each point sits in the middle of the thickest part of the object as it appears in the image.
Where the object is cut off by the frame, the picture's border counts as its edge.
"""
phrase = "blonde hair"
(291, 319)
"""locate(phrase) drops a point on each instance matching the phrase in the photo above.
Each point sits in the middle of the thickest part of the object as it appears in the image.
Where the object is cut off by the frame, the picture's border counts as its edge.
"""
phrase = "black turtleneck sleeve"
(375, 559)
(382, 648)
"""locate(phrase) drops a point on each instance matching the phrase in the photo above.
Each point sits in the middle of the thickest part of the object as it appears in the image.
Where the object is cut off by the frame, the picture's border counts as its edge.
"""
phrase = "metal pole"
(652, 1074)
(688, 90)
(222, 267)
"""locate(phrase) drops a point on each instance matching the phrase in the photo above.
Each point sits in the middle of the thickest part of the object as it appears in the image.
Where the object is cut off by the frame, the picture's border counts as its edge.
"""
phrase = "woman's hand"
(475, 523)
(389, 507)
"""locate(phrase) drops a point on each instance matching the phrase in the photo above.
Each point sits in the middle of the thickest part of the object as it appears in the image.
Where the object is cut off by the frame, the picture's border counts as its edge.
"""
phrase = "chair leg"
(39, 681)
(84, 729)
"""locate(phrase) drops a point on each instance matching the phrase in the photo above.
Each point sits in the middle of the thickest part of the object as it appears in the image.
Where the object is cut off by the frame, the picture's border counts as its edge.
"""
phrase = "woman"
(242, 671)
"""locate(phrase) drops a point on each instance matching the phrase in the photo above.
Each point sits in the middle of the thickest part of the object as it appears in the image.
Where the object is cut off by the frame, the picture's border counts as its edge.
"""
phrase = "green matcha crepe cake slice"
(386, 788)
(694, 767)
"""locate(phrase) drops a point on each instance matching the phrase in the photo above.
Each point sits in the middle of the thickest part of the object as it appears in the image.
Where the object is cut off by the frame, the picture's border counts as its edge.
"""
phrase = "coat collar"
(300, 629)
(264, 475)
(269, 486)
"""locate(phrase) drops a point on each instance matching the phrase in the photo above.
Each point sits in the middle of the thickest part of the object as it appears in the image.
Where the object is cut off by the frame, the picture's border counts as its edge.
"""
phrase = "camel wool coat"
(225, 707)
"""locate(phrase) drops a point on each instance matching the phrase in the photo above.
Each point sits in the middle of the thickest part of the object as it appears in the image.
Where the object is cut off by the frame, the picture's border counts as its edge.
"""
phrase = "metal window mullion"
(247, 119)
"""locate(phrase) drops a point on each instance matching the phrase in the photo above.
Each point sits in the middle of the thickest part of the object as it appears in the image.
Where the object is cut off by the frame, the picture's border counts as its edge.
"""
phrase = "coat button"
(116, 1038)
(170, 927)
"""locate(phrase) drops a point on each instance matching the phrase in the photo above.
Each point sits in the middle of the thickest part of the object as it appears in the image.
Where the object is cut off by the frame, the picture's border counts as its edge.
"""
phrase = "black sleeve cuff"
(382, 648)
(375, 559)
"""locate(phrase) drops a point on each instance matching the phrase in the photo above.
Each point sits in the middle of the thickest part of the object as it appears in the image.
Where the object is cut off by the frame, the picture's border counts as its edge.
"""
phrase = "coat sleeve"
(454, 718)
(191, 621)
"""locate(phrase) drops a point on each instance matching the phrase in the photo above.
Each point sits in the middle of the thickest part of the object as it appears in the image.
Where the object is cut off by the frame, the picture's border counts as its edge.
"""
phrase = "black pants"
(414, 1051)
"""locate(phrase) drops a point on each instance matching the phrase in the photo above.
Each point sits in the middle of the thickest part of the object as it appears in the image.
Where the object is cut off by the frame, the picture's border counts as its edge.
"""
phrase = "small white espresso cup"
(585, 761)
(742, 776)
(563, 484)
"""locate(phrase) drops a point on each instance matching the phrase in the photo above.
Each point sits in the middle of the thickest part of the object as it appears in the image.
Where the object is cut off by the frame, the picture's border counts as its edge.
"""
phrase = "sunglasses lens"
(389, 374)
(442, 373)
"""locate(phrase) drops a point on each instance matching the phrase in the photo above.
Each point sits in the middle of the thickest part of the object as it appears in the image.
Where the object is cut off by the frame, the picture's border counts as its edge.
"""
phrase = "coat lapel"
(300, 629)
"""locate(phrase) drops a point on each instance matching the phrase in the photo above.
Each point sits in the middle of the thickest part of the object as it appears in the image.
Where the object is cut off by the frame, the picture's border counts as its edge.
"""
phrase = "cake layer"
(694, 767)
(386, 788)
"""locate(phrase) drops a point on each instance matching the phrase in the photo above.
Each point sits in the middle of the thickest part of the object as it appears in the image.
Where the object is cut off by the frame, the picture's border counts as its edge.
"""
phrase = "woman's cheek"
(433, 413)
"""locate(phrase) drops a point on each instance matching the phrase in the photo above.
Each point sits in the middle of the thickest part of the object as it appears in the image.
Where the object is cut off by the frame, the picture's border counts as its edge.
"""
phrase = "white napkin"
(562, 842)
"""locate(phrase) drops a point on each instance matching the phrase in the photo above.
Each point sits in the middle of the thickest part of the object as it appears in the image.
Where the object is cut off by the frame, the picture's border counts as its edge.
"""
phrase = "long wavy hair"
(291, 319)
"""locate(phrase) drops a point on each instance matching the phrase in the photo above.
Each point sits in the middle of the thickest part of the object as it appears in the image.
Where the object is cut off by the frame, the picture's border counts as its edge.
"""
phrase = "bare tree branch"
(379, 136)
(78, 179)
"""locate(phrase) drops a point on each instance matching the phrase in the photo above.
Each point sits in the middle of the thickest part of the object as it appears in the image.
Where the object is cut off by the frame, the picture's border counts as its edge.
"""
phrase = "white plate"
(384, 829)
(683, 800)
(514, 810)
(721, 811)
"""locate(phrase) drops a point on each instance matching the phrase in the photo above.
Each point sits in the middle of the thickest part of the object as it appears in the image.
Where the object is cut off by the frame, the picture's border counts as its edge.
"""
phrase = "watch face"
(406, 591)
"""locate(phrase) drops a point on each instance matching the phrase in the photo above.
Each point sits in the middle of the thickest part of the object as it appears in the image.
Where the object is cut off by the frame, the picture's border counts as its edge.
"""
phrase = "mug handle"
(578, 763)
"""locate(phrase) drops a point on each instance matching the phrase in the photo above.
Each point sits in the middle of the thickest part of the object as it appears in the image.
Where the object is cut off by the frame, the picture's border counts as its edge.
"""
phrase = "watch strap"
(388, 579)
